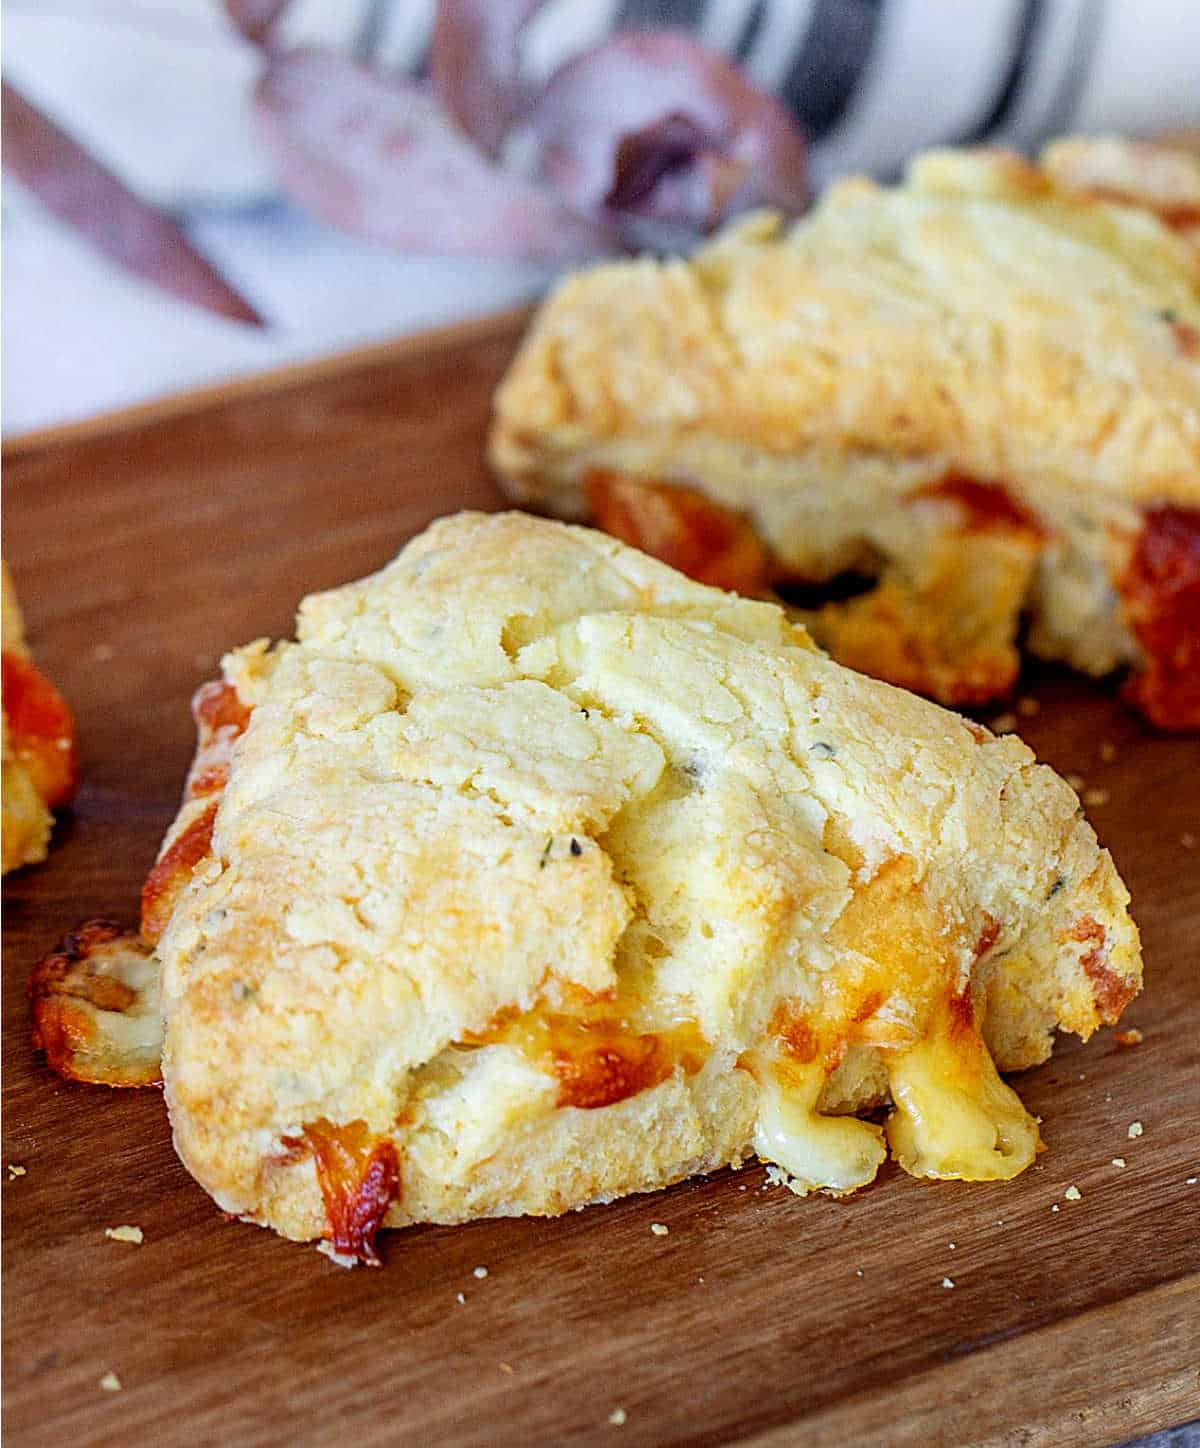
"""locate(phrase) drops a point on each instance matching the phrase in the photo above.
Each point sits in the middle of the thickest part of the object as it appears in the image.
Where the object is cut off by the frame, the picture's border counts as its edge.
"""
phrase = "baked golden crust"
(95, 1007)
(1034, 328)
(40, 762)
(543, 874)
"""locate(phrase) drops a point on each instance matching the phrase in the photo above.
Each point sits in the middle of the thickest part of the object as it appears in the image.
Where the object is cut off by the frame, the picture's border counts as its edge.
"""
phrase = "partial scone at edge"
(981, 387)
(40, 759)
(543, 874)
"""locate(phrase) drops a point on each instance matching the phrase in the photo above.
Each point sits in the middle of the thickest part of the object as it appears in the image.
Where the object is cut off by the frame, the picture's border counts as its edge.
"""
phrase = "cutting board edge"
(970, 1399)
(507, 323)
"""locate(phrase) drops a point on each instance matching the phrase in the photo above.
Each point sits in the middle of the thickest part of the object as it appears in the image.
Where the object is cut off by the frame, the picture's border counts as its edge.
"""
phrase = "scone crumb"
(1131, 1037)
(339, 1259)
(1108, 751)
(15, 1171)
(660, 1229)
(947, 1282)
(480, 1272)
(1188, 840)
(1118, 1161)
(1073, 1194)
(110, 1383)
(617, 1417)
(1004, 723)
(1096, 797)
(508, 1370)
(858, 1272)
(1054, 1208)
(1076, 781)
(125, 1234)
(1190, 1181)
(1028, 707)
(1135, 1130)
(461, 1298)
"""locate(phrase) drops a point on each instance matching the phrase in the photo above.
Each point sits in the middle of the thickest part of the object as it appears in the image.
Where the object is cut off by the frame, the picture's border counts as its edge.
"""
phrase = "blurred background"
(195, 191)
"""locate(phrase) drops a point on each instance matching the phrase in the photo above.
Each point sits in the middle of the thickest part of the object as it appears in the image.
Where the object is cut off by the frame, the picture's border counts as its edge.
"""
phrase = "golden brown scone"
(96, 998)
(543, 874)
(981, 387)
(95, 1007)
(40, 763)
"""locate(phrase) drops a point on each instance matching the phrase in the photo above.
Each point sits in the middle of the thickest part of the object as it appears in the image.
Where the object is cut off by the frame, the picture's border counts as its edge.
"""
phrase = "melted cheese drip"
(834, 1153)
(897, 990)
(955, 1118)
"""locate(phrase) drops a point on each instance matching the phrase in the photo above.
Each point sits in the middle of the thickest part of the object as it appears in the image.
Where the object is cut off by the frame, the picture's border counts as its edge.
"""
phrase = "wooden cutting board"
(143, 547)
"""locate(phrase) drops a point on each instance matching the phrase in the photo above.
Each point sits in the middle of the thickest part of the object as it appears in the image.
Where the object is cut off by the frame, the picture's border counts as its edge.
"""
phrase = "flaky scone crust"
(525, 766)
(1033, 326)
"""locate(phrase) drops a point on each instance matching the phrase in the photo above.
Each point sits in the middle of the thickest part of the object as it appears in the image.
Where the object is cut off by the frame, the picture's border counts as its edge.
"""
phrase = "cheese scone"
(40, 761)
(535, 873)
(979, 389)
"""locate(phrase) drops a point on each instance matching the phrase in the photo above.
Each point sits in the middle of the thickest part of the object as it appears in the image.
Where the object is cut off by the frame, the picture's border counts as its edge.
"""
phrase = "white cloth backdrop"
(159, 90)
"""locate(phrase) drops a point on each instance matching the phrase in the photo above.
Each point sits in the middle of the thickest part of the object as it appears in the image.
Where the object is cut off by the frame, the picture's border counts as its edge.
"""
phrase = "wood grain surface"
(142, 551)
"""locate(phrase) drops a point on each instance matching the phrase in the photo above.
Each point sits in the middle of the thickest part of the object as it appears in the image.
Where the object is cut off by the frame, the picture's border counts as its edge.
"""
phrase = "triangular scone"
(544, 874)
(980, 388)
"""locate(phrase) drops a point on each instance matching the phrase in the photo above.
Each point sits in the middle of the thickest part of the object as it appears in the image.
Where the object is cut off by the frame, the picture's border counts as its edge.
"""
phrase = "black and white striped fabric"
(872, 81)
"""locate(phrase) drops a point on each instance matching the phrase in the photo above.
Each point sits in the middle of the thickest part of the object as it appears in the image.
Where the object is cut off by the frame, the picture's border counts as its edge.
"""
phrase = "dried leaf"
(654, 124)
(89, 199)
(474, 65)
(377, 156)
(256, 19)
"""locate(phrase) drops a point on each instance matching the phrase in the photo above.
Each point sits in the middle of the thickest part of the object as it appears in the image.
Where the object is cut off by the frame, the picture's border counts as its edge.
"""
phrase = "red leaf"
(90, 199)
(653, 123)
(256, 19)
(473, 63)
(377, 156)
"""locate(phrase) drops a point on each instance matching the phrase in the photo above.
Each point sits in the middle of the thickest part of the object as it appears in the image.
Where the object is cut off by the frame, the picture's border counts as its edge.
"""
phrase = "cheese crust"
(543, 874)
(1028, 328)
(40, 763)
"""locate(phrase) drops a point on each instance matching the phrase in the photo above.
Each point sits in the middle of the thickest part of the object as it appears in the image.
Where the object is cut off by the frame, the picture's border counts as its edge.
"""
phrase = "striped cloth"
(872, 81)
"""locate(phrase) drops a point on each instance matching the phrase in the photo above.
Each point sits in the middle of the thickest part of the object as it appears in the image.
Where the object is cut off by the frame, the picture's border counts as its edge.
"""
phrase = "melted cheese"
(834, 1153)
(954, 1116)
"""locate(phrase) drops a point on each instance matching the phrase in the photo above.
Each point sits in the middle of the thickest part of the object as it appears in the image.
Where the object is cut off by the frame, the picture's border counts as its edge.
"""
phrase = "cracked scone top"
(544, 874)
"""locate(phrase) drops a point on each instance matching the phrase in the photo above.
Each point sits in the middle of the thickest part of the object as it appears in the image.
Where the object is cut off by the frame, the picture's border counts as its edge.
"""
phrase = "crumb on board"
(480, 1272)
(1096, 797)
(1188, 840)
(1118, 1161)
(858, 1272)
(1073, 1194)
(1130, 1037)
(660, 1229)
(1054, 1208)
(1004, 723)
(1028, 706)
(1108, 751)
(617, 1417)
(461, 1298)
(110, 1383)
(1135, 1130)
(508, 1370)
(1076, 781)
(1190, 1181)
(15, 1171)
(947, 1282)
(125, 1233)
